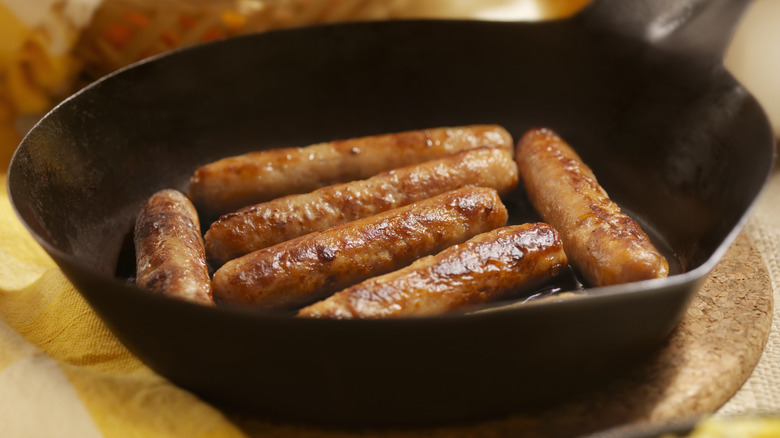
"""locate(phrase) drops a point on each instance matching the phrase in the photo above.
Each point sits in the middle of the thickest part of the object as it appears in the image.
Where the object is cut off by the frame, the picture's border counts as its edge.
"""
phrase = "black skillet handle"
(697, 27)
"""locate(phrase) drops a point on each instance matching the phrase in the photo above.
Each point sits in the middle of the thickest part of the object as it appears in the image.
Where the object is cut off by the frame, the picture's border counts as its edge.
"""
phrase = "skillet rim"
(589, 293)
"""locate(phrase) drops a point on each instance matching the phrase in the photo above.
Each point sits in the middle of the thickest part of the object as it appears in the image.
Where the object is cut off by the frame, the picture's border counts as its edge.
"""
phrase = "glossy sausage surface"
(310, 267)
(267, 224)
(490, 266)
(235, 182)
(170, 256)
(603, 243)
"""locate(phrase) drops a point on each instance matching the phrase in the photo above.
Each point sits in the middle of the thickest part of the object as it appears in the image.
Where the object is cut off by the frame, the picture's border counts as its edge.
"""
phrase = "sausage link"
(489, 267)
(231, 183)
(310, 267)
(606, 245)
(170, 256)
(263, 225)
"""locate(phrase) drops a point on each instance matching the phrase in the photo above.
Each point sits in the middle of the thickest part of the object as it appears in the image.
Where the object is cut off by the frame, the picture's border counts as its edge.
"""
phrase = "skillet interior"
(669, 133)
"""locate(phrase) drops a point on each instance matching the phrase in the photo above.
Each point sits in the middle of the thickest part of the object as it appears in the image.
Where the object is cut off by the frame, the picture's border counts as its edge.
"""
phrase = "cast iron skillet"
(637, 87)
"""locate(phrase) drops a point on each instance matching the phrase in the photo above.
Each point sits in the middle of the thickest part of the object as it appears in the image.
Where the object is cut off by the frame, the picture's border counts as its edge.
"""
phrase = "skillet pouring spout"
(644, 100)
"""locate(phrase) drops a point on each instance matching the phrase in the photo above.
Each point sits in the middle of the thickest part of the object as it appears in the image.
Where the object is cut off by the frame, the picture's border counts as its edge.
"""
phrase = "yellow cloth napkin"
(62, 373)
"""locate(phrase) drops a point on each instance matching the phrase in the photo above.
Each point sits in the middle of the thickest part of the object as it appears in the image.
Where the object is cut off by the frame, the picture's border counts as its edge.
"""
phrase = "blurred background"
(51, 48)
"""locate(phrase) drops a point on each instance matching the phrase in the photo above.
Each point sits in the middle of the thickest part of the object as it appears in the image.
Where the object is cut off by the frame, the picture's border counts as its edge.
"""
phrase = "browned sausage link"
(310, 267)
(605, 244)
(263, 225)
(490, 266)
(231, 183)
(170, 257)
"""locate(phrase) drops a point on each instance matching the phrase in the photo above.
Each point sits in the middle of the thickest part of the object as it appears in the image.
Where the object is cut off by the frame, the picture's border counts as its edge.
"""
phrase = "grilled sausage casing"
(606, 245)
(302, 270)
(170, 256)
(266, 224)
(234, 182)
(486, 268)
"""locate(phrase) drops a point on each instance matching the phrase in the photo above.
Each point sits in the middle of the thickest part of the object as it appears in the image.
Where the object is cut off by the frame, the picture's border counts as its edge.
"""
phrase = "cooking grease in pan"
(545, 180)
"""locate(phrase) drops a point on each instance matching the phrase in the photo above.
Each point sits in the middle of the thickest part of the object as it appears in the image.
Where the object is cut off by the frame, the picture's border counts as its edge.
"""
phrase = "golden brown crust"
(266, 224)
(235, 182)
(490, 266)
(605, 244)
(170, 256)
(302, 270)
